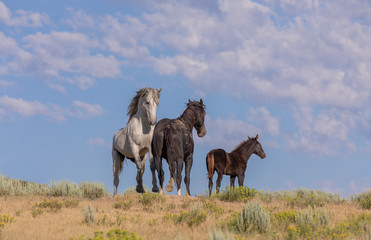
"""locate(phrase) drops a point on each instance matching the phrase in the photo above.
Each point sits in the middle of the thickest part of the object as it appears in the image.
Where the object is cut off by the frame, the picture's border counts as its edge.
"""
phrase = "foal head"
(145, 102)
(198, 109)
(257, 148)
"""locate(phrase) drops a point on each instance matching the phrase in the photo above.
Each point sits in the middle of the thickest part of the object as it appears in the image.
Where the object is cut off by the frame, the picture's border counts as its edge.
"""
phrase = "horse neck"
(188, 119)
(245, 151)
(141, 116)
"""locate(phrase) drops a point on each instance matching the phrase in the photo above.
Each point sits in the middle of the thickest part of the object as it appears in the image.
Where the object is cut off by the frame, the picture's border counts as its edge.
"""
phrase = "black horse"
(173, 140)
(234, 163)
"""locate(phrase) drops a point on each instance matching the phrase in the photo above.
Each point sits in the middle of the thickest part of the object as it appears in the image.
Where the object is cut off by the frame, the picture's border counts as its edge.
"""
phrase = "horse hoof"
(155, 189)
(169, 188)
(140, 189)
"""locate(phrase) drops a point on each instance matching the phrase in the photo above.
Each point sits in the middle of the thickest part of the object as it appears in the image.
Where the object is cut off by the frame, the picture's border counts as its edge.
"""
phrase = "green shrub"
(284, 218)
(93, 190)
(124, 204)
(252, 218)
(65, 189)
(195, 217)
(363, 199)
(147, 199)
(4, 219)
(89, 214)
(48, 205)
(211, 207)
(240, 194)
(114, 234)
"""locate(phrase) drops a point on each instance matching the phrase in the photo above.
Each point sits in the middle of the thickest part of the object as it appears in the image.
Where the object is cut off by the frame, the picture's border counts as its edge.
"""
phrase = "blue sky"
(295, 72)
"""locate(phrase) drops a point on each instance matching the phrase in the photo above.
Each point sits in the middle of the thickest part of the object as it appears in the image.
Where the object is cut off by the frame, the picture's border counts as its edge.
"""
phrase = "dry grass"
(147, 220)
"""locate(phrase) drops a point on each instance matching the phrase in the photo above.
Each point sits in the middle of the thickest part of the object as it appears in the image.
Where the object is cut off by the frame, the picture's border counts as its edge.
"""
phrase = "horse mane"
(133, 106)
(185, 115)
(242, 144)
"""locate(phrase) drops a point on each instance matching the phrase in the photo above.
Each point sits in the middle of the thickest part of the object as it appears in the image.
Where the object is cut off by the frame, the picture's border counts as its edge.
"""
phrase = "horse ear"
(201, 101)
(159, 90)
(248, 137)
(256, 138)
(189, 101)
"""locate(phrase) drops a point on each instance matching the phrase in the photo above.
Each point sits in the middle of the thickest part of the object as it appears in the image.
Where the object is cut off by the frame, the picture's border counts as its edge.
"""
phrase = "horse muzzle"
(202, 131)
(262, 156)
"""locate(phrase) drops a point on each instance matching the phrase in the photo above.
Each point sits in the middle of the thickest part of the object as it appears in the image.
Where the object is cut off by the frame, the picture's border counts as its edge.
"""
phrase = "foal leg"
(210, 185)
(232, 178)
(218, 181)
(117, 158)
(241, 178)
(187, 179)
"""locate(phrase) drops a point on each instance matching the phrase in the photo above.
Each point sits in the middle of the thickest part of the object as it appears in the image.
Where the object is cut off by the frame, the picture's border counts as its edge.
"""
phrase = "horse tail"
(210, 164)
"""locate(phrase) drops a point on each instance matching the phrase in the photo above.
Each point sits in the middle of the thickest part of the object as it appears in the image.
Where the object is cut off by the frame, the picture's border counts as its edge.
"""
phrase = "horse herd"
(172, 139)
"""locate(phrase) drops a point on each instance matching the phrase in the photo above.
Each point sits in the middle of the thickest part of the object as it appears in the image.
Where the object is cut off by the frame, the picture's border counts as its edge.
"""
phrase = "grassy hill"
(66, 210)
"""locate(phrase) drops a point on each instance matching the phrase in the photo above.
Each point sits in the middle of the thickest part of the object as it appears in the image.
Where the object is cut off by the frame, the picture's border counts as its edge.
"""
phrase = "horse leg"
(179, 175)
(187, 178)
(210, 185)
(153, 169)
(170, 185)
(140, 172)
(232, 178)
(241, 178)
(218, 181)
(118, 159)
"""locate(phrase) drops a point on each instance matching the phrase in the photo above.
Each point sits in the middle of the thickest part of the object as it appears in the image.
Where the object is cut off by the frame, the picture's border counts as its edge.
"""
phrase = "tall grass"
(14, 187)
(301, 197)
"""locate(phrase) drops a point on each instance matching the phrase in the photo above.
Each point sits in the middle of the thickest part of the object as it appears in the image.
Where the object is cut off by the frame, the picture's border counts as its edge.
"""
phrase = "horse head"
(199, 111)
(149, 102)
(258, 149)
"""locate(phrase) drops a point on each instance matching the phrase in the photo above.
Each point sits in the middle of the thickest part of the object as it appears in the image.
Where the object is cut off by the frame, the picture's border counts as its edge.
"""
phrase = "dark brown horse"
(173, 140)
(233, 163)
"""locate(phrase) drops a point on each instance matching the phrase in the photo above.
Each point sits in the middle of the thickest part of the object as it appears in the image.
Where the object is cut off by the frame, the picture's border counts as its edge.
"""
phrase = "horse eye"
(147, 103)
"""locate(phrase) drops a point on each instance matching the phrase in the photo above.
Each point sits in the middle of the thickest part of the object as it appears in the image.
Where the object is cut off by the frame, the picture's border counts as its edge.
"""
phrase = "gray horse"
(134, 141)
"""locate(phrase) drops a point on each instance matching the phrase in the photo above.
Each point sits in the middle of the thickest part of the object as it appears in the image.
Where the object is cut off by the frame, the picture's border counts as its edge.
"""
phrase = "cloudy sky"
(295, 72)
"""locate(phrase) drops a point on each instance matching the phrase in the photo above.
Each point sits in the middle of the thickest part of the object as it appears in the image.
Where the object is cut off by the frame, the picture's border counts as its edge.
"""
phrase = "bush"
(114, 234)
(13, 187)
(147, 199)
(89, 214)
(252, 218)
(93, 190)
(5, 219)
(48, 205)
(240, 194)
(65, 188)
(195, 217)
(301, 197)
(363, 199)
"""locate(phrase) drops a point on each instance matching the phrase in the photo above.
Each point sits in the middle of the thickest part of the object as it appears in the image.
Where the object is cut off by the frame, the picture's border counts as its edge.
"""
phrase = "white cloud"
(98, 142)
(324, 133)
(18, 106)
(85, 110)
(22, 18)
(4, 84)
(263, 116)
(226, 133)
